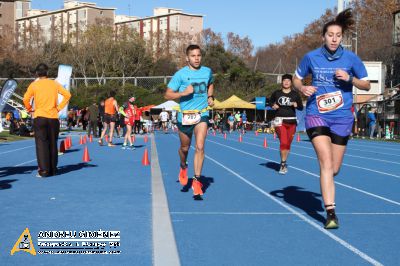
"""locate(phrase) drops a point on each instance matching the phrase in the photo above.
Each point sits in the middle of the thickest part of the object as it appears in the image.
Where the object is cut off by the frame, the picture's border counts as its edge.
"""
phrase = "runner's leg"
(200, 132)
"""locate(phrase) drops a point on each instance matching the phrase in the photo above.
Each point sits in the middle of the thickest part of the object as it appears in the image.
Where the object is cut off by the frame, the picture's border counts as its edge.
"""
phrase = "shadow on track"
(5, 184)
(16, 170)
(308, 201)
(73, 167)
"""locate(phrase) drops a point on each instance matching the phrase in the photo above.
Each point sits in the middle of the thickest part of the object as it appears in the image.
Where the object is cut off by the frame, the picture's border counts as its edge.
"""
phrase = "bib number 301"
(190, 118)
(329, 102)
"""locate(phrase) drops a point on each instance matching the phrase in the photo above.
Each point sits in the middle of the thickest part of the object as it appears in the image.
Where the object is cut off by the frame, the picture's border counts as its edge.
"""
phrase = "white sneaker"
(283, 169)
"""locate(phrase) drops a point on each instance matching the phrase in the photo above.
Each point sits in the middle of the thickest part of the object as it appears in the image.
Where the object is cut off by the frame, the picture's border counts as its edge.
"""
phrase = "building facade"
(158, 28)
(12, 10)
(64, 25)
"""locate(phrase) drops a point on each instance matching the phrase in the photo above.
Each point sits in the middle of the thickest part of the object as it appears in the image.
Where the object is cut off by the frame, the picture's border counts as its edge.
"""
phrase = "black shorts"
(110, 118)
(325, 131)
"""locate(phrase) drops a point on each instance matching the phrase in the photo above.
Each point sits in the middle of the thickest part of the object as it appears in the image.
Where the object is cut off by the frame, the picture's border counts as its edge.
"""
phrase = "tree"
(241, 47)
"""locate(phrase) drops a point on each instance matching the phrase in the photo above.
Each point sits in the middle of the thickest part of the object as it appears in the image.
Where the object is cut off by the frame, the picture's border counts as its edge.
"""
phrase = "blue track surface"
(250, 214)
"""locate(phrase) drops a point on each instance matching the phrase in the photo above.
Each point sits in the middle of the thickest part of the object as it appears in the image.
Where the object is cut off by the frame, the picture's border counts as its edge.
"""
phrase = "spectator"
(164, 116)
(46, 124)
(93, 114)
(372, 122)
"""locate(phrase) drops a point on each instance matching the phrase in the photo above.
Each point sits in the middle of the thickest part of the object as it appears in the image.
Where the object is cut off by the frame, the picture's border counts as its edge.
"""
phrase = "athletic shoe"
(283, 169)
(100, 142)
(183, 177)
(196, 186)
(332, 221)
(132, 147)
(124, 146)
(42, 174)
(111, 145)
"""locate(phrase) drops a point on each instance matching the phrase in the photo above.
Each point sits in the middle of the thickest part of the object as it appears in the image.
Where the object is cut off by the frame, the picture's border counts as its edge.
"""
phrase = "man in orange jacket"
(45, 123)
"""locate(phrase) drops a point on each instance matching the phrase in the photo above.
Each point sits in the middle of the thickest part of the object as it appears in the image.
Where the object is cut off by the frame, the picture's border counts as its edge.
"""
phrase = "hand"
(308, 90)
(210, 102)
(275, 106)
(342, 75)
(294, 104)
(189, 90)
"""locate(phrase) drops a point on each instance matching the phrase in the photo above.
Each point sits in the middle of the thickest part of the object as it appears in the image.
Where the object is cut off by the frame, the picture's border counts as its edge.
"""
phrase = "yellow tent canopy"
(216, 104)
(234, 102)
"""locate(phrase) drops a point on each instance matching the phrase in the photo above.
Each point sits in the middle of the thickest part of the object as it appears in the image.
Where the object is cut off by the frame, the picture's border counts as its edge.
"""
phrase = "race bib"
(329, 102)
(277, 122)
(190, 118)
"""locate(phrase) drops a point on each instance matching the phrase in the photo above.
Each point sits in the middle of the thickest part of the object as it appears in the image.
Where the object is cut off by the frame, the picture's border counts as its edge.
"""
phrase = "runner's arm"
(210, 95)
(306, 90)
(173, 95)
(358, 83)
(116, 106)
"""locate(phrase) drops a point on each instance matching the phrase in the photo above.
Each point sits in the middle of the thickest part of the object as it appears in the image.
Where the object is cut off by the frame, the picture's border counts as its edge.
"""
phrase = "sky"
(263, 21)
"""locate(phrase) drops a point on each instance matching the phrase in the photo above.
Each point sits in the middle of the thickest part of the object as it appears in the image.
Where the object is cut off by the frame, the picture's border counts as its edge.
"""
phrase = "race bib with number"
(277, 122)
(190, 118)
(329, 102)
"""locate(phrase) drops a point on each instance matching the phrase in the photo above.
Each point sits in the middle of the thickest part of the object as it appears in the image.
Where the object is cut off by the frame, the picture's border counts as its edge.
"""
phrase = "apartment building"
(163, 23)
(12, 10)
(64, 25)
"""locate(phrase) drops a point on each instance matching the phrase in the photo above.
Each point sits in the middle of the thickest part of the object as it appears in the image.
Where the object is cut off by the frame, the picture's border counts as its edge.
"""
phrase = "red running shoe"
(197, 187)
(183, 177)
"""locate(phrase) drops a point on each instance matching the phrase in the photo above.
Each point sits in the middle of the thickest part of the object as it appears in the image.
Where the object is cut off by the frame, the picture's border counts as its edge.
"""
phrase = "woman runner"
(328, 114)
(285, 101)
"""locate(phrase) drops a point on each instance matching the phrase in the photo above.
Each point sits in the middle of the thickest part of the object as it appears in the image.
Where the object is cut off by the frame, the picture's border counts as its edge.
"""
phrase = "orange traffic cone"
(62, 147)
(133, 139)
(91, 138)
(265, 143)
(145, 159)
(84, 139)
(80, 140)
(274, 135)
(224, 135)
(67, 143)
(145, 139)
(86, 157)
(240, 138)
(106, 138)
(298, 137)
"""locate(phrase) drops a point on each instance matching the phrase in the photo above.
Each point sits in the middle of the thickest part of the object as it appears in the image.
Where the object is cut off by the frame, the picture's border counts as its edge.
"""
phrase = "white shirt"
(164, 116)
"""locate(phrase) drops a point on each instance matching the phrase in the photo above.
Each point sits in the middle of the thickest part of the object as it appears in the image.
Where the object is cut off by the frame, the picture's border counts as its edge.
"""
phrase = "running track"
(250, 214)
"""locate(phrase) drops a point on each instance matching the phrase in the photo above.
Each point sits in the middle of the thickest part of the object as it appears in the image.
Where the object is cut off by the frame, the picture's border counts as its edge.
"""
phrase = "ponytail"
(344, 20)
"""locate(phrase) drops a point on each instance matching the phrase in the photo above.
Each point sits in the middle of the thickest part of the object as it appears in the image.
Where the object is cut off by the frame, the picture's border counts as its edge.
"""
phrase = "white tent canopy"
(167, 105)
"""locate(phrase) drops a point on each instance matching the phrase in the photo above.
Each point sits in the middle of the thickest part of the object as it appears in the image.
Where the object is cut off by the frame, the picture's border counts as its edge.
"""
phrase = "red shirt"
(138, 113)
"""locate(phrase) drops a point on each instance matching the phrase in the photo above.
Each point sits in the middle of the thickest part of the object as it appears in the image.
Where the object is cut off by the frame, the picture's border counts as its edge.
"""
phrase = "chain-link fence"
(144, 82)
(150, 83)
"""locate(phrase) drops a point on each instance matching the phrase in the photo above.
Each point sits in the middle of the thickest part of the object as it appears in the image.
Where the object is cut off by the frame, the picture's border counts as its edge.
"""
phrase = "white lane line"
(346, 154)
(377, 146)
(25, 163)
(348, 148)
(301, 216)
(4, 152)
(312, 174)
(345, 164)
(281, 213)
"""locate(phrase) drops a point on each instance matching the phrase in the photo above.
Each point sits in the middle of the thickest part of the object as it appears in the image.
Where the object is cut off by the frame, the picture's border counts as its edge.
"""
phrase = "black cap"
(287, 76)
